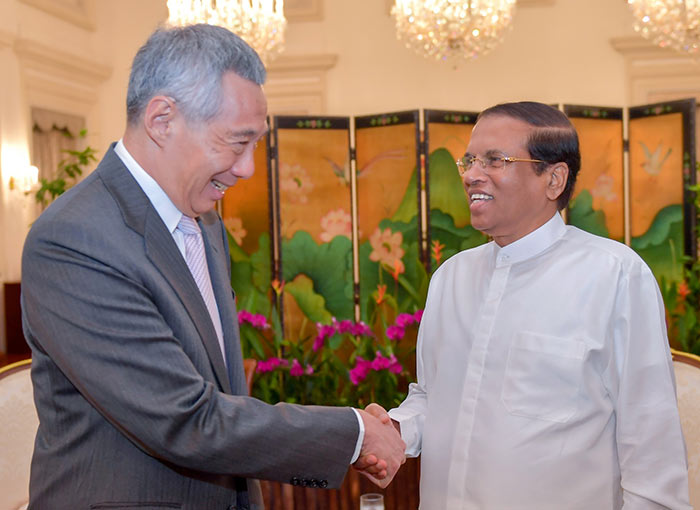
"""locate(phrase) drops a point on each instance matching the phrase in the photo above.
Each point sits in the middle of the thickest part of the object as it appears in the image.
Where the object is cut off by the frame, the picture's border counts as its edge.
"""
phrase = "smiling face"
(510, 202)
(203, 159)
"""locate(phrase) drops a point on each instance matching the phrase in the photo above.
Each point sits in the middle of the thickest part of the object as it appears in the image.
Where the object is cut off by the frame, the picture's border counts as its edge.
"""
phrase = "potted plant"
(67, 174)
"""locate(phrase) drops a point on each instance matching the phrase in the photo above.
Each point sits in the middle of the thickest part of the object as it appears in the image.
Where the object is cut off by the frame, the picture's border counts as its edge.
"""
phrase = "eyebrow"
(486, 153)
(247, 133)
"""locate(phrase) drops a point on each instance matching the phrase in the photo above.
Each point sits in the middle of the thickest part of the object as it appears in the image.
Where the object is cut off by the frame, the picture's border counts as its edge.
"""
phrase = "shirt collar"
(161, 202)
(532, 244)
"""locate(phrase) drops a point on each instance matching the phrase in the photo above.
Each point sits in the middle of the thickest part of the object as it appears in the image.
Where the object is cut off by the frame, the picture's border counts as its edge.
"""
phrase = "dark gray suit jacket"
(136, 406)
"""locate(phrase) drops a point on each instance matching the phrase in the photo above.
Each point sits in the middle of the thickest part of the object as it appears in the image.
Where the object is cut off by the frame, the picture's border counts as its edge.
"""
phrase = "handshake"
(383, 450)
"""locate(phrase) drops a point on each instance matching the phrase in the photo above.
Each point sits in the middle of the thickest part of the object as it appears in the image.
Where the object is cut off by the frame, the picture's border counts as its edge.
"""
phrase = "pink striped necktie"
(197, 262)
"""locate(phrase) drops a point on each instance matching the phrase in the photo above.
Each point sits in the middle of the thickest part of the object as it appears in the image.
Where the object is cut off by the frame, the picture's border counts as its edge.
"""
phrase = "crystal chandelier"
(442, 29)
(668, 23)
(260, 23)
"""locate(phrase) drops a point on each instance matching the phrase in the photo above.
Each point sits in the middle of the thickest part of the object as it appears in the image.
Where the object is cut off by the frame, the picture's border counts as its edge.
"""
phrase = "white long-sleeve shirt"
(545, 381)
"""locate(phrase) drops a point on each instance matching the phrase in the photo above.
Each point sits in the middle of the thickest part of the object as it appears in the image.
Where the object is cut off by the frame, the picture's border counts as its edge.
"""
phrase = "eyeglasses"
(491, 162)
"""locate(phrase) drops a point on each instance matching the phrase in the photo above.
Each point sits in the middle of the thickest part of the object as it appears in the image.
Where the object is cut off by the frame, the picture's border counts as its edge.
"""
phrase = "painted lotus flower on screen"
(336, 223)
(386, 247)
(295, 183)
(603, 188)
(235, 228)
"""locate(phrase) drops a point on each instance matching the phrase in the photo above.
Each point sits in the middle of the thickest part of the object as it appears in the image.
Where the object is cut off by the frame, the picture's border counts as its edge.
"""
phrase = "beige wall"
(558, 51)
(74, 56)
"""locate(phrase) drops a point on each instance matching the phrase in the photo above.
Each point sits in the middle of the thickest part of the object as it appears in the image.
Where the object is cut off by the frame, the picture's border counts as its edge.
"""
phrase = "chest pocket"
(543, 377)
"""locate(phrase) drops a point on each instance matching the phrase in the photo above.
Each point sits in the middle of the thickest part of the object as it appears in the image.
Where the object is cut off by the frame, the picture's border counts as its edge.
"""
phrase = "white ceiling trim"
(655, 73)
(78, 68)
(48, 72)
(297, 84)
(303, 63)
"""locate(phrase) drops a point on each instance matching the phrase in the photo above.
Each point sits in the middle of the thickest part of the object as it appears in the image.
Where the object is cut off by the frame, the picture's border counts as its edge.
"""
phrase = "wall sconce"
(24, 179)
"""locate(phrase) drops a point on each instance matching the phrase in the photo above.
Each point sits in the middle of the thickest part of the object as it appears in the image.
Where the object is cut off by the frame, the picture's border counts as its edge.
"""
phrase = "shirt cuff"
(409, 432)
(360, 437)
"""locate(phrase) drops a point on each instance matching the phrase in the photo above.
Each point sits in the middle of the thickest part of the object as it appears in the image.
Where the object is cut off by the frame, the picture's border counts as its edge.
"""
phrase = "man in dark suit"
(137, 368)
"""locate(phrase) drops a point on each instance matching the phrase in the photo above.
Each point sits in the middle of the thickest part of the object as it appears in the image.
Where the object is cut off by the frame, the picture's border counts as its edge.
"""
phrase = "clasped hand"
(383, 450)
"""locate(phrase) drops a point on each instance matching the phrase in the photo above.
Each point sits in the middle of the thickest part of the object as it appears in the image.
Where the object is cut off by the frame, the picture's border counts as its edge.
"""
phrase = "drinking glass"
(372, 501)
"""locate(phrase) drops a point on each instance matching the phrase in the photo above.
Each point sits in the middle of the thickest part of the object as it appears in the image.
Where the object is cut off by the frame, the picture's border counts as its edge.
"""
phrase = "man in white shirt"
(545, 380)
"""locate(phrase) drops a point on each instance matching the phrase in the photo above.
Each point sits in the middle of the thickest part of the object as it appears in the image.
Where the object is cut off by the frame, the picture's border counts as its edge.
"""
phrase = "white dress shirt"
(545, 381)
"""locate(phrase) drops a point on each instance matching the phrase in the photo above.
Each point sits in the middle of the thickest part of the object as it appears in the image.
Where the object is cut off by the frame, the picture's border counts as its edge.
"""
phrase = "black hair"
(554, 141)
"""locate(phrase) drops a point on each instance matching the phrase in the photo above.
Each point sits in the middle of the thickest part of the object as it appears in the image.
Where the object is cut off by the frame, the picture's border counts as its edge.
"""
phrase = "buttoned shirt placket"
(476, 364)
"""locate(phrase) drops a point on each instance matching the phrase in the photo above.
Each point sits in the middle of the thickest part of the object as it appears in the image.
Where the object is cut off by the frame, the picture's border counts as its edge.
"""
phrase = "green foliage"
(449, 215)
(311, 304)
(346, 363)
(306, 370)
(251, 275)
(328, 265)
(251, 344)
(408, 208)
(682, 300)
(409, 290)
(455, 239)
(662, 245)
(446, 187)
(582, 215)
(67, 174)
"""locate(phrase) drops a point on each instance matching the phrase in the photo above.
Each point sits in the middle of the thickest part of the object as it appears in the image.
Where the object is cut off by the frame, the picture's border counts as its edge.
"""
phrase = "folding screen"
(449, 231)
(296, 218)
(315, 220)
(598, 201)
(247, 215)
(661, 165)
(388, 210)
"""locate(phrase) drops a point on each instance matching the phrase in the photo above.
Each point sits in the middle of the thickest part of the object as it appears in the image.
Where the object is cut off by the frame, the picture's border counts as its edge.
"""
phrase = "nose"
(244, 167)
(474, 174)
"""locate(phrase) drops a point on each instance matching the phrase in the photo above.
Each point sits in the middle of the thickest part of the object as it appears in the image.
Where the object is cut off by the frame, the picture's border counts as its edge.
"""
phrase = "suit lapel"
(167, 258)
(217, 256)
(161, 249)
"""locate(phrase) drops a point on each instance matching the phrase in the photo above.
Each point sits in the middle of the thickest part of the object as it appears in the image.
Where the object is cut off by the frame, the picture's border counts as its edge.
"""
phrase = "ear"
(559, 175)
(160, 112)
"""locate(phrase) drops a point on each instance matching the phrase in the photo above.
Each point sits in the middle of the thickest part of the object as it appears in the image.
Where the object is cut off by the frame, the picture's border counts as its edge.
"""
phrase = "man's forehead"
(503, 122)
(495, 131)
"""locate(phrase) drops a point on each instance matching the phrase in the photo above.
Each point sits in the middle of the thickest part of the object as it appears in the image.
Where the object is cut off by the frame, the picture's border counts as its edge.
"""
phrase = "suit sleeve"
(103, 328)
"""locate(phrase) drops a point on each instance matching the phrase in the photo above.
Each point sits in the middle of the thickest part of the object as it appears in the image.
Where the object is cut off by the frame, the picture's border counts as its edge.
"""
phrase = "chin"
(481, 228)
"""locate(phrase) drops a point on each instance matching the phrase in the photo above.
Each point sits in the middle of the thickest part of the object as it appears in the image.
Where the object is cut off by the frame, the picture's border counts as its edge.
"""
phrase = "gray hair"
(188, 63)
